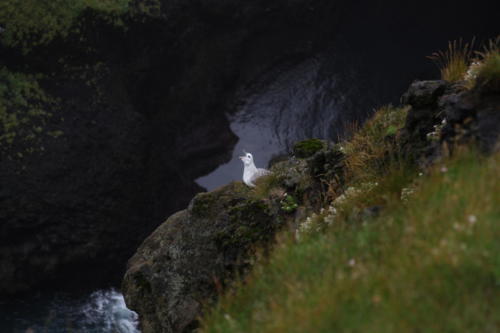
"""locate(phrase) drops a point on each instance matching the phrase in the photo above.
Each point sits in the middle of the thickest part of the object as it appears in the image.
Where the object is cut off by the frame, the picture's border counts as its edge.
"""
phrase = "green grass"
(429, 263)
(367, 151)
(488, 71)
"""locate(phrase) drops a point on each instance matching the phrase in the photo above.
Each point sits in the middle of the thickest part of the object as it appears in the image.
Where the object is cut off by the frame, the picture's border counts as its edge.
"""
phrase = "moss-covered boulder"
(193, 256)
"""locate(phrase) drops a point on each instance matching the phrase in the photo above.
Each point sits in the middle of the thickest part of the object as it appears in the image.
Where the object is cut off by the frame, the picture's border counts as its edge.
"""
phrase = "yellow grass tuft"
(454, 61)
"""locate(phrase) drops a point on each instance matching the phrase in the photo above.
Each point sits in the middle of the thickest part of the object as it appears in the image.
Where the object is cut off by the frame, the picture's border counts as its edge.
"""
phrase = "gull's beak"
(241, 157)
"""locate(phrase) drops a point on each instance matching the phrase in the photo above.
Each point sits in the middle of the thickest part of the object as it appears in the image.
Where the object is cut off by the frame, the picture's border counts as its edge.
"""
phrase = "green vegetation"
(307, 148)
(29, 23)
(398, 251)
(23, 111)
(488, 71)
(373, 146)
(289, 204)
(460, 63)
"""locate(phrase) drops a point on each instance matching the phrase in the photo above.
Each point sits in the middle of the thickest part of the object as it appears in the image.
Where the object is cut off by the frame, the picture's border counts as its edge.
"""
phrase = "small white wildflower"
(329, 219)
(473, 71)
(420, 174)
(443, 122)
(406, 193)
(472, 219)
(306, 225)
(322, 211)
(444, 169)
(340, 199)
(352, 262)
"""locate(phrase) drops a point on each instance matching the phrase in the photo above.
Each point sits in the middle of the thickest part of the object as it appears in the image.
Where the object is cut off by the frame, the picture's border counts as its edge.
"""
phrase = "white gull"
(250, 172)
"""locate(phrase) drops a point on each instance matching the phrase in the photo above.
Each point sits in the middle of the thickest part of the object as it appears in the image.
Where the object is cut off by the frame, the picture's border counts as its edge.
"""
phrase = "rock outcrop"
(196, 254)
(444, 115)
(192, 257)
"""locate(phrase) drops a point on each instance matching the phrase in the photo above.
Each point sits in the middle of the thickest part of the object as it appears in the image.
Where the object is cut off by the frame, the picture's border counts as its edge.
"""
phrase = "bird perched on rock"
(250, 172)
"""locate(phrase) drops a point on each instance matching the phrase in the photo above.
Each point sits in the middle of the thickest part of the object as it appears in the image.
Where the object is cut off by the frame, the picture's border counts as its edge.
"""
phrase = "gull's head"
(247, 159)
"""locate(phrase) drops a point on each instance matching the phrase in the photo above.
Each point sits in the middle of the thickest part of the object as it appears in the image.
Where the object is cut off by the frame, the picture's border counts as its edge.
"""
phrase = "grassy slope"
(430, 262)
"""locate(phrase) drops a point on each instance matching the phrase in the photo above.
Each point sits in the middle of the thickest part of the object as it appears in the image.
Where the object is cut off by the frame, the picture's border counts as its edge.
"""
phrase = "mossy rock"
(209, 204)
(308, 148)
(197, 251)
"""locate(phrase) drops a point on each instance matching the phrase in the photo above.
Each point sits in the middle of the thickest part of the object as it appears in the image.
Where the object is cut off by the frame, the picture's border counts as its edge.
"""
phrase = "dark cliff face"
(142, 114)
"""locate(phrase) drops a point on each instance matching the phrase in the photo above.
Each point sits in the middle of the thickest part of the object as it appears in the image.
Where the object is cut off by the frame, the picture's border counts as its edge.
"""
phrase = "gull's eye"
(248, 155)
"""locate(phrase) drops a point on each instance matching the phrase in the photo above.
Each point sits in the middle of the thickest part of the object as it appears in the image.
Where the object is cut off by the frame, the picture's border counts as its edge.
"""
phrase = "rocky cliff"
(193, 256)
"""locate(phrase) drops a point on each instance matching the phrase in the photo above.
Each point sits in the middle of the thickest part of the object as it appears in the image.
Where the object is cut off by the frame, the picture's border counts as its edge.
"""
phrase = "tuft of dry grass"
(454, 61)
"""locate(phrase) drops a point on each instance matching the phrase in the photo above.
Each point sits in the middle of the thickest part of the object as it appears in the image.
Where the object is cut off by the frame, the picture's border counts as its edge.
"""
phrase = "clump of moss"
(307, 148)
(23, 111)
(289, 204)
(249, 221)
(209, 204)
